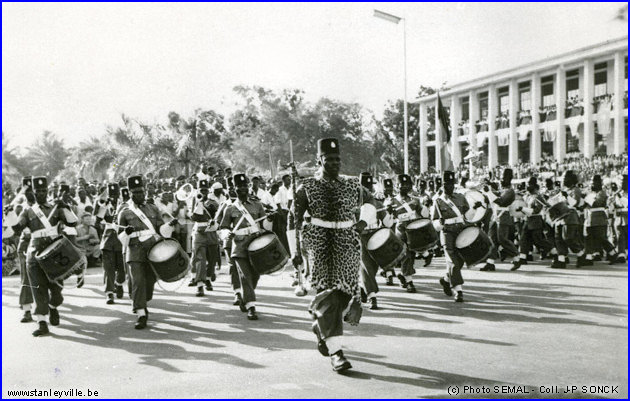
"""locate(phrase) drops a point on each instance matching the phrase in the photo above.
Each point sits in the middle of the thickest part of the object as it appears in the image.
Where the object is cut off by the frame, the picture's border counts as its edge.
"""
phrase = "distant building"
(574, 102)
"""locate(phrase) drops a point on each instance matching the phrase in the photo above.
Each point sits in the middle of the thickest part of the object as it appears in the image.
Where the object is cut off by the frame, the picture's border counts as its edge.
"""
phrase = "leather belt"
(141, 233)
(454, 220)
(596, 209)
(372, 226)
(51, 232)
(246, 231)
(337, 225)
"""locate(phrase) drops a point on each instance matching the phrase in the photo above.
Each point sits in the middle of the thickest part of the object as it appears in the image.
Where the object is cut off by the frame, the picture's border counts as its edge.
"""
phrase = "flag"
(445, 145)
(272, 167)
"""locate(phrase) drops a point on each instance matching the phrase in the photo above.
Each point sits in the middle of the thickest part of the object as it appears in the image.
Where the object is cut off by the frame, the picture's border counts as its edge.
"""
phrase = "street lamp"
(396, 20)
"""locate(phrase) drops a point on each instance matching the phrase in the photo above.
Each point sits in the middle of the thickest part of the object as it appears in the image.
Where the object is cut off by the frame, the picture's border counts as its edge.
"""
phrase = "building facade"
(573, 103)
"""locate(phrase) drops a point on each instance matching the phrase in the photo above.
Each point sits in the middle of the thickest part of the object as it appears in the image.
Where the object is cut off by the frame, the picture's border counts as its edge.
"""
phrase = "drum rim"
(161, 240)
(428, 222)
(267, 234)
(477, 229)
(54, 241)
(367, 245)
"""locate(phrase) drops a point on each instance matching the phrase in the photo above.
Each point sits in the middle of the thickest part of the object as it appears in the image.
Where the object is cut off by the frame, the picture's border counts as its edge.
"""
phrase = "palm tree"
(47, 156)
(13, 165)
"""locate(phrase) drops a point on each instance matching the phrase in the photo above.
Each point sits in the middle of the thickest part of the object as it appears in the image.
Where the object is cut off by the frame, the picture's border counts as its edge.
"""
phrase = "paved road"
(516, 331)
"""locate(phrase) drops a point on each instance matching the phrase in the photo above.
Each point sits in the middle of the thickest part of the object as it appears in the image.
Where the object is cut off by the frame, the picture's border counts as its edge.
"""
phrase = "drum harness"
(453, 220)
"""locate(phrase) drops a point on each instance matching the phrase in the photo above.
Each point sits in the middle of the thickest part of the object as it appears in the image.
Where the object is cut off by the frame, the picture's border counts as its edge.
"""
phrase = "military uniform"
(205, 240)
(142, 222)
(111, 247)
(620, 209)
(596, 223)
(448, 216)
(42, 220)
(568, 231)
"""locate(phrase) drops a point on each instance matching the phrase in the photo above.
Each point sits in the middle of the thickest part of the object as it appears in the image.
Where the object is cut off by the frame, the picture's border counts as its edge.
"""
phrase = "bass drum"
(475, 215)
(386, 248)
(266, 254)
(60, 259)
(169, 261)
(473, 245)
(421, 235)
(558, 208)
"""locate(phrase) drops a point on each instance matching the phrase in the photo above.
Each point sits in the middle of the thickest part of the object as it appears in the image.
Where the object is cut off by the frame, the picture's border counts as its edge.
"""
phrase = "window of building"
(465, 107)
(483, 106)
(601, 79)
(546, 90)
(573, 84)
(526, 100)
(504, 104)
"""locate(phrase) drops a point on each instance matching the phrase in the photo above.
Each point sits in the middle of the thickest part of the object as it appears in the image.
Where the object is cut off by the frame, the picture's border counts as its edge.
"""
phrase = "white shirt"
(265, 198)
(283, 196)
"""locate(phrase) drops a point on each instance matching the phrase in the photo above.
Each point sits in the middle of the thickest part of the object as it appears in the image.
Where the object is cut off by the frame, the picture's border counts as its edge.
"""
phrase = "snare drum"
(266, 254)
(168, 259)
(60, 259)
(515, 205)
(475, 215)
(421, 235)
(386, 248)
(558, 207)
(473, 245)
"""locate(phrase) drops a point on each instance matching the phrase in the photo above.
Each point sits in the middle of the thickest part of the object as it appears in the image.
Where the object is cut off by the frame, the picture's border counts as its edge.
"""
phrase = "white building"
(574, 102)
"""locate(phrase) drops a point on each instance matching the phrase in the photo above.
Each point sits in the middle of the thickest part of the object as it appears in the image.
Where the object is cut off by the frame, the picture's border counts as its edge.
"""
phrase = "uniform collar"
(321, 175)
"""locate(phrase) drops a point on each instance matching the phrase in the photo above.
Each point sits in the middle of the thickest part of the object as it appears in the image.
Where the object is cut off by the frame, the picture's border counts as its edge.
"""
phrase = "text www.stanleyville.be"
(70, 393)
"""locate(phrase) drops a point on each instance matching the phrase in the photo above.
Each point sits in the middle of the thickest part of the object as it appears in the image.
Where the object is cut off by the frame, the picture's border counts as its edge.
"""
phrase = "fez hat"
(40, 183)
(240, 179)
(624, 182)
(388, 183)
(327, 146)
(27, 181)
(404, 179)
(124, 191)
(422, 183)
(366, 179)
(438, 182)
(533, 184)
(64, 188)
(570, 178)
(507, 175)
(431, 184)
(597, 179)
(203, 184)
(521, 186)
(135, 181)
(449, 177)
(113, 190)
(549, 183)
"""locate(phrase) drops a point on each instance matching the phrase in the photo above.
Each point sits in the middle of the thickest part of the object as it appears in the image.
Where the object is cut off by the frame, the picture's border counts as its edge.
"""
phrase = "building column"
(561, 97)
(535, 143)
(424, 158)
(513, 144)
(438, 139)
(587, 121)
(618, 87)
(493, 107)
(473, 116)
(455, 117)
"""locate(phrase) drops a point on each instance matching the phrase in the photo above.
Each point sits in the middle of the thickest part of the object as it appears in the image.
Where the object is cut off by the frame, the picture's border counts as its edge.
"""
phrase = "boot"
(200, 292)
(119, 291)
(621, 259)
(530, 258)
(411, 288)
(374, 305)
(489, 267)
(558, 265)
(110, 299)
(517, 264)
(42, 330)
(612, 258)
(582, 261)
(390, 280)
(27, 317)
(428, 259)
(339, 362)
(241, 304)
(141, 323)
(459, 297)
(446, 286)
(403, 281)
(209, 285)
(192, 283)
(321, 344)
(54, 317)
(251, 314)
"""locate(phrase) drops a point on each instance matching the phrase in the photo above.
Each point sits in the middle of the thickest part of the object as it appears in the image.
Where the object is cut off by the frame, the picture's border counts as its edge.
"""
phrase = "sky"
(73, 68)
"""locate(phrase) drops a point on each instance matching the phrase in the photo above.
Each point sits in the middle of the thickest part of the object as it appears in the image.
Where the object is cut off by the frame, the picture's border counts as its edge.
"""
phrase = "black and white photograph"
(315, 200)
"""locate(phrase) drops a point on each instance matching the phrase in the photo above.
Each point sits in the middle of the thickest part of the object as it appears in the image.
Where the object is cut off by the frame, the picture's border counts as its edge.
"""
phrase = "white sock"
(334, 344)
(425, 254)
(561, 258)
(409, 278)
(26, 307)
(250, 305)
(199, 284)
(490, 261)
(371, 295)
(39, 318)
(553, 251)
(52, 307)
(458, 288)
(141, 312)
(589, 257)
(522, 256)
(580, 254)
(390, 273)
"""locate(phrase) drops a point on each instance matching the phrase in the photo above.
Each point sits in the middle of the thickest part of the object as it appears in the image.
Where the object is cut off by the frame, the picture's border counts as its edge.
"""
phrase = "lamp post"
(396, 20)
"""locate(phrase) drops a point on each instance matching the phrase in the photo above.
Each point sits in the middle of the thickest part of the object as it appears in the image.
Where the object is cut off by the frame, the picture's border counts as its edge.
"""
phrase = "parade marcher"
(333, 248)
(26, 294)
(569, 230)
(502, 228)
(596, 223)
(42, 219)
(448, 217)
(620, 209)
(204, 238)
(138, 225)
(113, 261)
(240, 218)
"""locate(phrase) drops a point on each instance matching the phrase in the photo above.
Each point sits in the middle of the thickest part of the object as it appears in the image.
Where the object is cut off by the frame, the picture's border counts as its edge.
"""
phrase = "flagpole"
(406, 134)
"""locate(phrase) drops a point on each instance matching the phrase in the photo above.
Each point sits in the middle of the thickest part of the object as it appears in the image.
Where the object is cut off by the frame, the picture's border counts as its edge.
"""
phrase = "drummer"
(205, 240)
(113, 262)
(240, 218)
(374, 216)
(42, 220)
(448, 217)
(407, 209)
(138, 225)
(26, 295)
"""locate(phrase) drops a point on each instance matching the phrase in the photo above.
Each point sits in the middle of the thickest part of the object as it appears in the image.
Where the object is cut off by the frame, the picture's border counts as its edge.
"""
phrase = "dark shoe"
(530, 258)
(295, 282)
(27, 318)
(621, 259)
(199, 292)
(241, 304)
(251, 314)
(42, 330)
(582, 261)
(80, 282)
(383, 274)
(119, 291)
(321, 344)
(403, 281)
(374, 305)
(459, 297)
(339, 362)
(502, 255)
(517, 264)
(363, 296)
(54, 317)
(489, 267)
(213, 277)
(428, 259)
(237, 300)
(110, 299)
(597, 258)
(141, 323)
(411, 288)
(209, 285)
(446, 286)
(390, 281)
(192, 283)
(612, 259)
(558, 265)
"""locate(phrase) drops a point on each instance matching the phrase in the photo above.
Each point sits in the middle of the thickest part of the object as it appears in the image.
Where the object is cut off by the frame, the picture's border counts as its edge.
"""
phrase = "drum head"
(57, 242)
(473, 196)
(163, 250)
(261, 242)
(466, 237)
(418, 224)
(378, 239)
(515, 205)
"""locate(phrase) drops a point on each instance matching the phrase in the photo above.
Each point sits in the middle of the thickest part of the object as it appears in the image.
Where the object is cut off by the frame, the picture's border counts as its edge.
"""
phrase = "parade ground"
(533, 333)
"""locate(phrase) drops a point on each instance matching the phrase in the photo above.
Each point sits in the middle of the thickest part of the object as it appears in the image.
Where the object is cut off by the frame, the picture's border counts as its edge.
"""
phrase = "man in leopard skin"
(333, 248)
